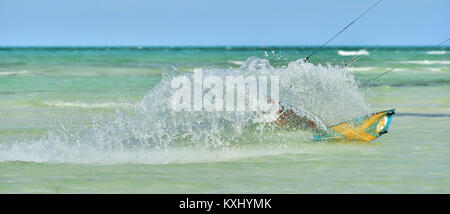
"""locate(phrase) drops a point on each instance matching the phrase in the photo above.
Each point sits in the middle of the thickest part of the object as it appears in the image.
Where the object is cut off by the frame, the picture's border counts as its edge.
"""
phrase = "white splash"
(151, 133)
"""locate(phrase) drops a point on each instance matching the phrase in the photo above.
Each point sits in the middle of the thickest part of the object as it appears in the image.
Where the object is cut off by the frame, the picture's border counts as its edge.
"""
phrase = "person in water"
(286, 117)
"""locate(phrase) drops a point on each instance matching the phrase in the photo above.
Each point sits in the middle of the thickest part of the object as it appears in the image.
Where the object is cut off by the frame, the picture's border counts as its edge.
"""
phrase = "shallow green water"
(49, 92)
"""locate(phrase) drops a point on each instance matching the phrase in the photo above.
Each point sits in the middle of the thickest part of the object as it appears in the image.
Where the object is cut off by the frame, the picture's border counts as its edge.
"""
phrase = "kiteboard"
(366, 128)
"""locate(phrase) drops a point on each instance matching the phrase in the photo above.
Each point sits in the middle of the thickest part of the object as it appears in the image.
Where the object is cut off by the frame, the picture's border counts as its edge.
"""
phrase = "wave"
(51, 152)
(86, 105)
(235, 62)
(436, 52)
(152, 133)
(362, 68)
(10, 73)
(433, 69)
(413, 114)
(353, 53)
(428, 62)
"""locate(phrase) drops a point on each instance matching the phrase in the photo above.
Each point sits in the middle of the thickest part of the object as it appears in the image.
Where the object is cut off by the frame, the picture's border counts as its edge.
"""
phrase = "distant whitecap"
(353, 53)
(86, 105)
(436, 52)
(428, 62)
(235, 62)
(9, 73)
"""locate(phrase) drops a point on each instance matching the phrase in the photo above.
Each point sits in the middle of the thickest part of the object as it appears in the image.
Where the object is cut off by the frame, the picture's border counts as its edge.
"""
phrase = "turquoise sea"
(92, 120)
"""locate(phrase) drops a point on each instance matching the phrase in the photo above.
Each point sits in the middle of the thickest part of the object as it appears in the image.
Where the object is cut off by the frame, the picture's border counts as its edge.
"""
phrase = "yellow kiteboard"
(366, 128)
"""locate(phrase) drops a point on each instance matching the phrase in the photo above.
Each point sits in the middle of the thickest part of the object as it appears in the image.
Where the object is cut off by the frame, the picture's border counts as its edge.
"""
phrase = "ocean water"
(95, 120)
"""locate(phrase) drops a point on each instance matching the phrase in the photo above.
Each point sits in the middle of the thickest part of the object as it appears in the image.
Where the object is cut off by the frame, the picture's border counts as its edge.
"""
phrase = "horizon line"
(203, 46)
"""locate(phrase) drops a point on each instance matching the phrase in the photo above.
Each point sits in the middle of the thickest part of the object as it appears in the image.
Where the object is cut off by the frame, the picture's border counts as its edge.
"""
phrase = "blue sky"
(227, 22)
